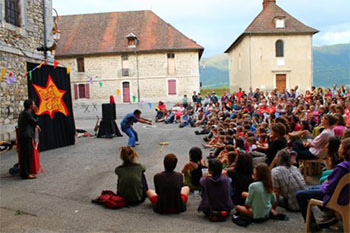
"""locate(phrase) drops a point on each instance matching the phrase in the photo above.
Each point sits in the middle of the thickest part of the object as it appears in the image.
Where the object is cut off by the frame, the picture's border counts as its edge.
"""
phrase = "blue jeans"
(133, 137)
(303, 197)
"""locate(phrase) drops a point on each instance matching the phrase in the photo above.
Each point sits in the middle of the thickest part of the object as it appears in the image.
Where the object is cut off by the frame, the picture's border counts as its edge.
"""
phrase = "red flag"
(55, 64)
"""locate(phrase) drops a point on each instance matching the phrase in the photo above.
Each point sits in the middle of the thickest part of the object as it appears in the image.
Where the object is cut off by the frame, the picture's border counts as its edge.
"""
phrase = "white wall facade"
(258, 57)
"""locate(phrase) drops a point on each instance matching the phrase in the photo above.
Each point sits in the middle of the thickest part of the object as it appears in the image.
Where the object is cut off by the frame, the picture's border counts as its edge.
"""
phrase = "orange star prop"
(50, 99)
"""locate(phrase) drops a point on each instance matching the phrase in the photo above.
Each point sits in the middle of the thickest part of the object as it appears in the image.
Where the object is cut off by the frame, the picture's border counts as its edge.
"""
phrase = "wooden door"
(281, 82)
(126, 92)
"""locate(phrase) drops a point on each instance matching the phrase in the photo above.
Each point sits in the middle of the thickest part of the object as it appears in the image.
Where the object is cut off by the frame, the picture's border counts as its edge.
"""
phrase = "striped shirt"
(288, 181)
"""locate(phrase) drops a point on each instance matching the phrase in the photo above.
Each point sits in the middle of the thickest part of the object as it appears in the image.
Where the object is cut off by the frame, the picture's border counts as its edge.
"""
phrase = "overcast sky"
(215, 24)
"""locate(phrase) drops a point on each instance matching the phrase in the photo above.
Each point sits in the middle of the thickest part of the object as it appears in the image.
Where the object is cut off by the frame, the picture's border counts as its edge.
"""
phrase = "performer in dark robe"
(26, 133)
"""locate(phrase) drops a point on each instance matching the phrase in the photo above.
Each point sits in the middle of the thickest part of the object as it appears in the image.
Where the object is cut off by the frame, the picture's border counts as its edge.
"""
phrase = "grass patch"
(219, 91)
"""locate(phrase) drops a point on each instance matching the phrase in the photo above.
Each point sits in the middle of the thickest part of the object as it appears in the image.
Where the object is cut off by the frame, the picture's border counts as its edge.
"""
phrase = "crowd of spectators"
(257, 142)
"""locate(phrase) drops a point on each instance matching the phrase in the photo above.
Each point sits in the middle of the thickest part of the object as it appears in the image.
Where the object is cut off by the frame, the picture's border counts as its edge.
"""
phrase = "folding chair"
(342, 210)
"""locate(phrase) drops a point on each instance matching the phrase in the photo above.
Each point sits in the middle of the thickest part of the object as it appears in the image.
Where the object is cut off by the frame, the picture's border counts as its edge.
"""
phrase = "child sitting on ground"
(260, 196)
(216, 201)
(170, 195)
(132, 183)
(193, 169)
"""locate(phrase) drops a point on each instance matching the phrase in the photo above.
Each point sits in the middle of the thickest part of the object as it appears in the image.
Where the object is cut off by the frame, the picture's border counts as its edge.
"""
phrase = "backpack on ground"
(110, 200)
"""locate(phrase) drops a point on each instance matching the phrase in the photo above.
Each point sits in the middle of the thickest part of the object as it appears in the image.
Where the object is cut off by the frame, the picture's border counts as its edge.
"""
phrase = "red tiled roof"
(105, 33)
(264, 24)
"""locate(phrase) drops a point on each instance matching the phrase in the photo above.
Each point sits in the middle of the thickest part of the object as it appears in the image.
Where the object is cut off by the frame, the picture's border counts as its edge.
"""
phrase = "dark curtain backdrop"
(59, 131)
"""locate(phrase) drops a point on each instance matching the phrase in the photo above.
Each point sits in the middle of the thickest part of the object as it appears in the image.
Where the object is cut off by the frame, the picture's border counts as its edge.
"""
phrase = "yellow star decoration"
(50, 99)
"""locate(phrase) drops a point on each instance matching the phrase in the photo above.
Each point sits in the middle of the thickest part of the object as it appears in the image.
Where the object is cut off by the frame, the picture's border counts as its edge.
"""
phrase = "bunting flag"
(30, 75)
(100, 84)
(133, 99)
(68, 70)
(118, 92)
(90, 80)
(149, 105)
(3, 72)
(55, 64)
(142, 102)
(11, 79)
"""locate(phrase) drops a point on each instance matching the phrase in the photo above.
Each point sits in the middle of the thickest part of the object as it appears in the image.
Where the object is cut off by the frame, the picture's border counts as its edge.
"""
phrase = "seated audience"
(193, 169)
(215, 191)
(241, 176)
(316, 148)
(277, 141)
(325, 191)
(170, 194)
(132, 183)
(332, 157)
(287, 180)
(260, 196)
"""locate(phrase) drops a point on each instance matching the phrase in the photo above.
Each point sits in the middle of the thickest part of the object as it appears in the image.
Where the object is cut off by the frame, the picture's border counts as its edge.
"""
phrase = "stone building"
(127, 54)
(21, 33)
(275, 51)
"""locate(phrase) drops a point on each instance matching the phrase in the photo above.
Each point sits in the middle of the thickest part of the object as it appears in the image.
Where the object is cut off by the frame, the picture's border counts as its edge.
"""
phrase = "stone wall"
(152, 74)
(17, 47)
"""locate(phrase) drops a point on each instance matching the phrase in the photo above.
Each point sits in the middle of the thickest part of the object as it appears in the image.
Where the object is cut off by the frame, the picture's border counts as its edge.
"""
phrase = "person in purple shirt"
(325, 191)
(215, 191)
(127, 124)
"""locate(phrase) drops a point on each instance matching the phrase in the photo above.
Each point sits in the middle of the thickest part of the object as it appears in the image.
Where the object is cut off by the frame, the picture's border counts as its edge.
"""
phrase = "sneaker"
(137, 143)
(327, 222)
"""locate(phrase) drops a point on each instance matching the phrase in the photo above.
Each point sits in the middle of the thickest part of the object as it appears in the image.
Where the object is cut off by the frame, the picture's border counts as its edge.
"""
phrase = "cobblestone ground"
(59, 199)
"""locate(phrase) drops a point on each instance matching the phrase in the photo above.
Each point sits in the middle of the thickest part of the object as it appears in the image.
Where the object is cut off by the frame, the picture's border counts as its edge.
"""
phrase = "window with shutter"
(12, 12)
(87, 91)
(80, 63)
(171, 63)
(171, 87)
(125, 65)
(76, 92)
(81, 91)
(279, 48)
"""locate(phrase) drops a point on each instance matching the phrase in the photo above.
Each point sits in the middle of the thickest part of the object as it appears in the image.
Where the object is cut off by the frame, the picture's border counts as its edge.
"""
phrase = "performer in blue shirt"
(127, 123)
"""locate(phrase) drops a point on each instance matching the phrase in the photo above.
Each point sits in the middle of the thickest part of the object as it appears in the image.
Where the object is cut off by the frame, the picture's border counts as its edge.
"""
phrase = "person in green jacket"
(132, 184)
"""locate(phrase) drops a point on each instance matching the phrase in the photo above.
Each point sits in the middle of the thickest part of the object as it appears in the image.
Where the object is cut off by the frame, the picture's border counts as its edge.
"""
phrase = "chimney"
(267, 2)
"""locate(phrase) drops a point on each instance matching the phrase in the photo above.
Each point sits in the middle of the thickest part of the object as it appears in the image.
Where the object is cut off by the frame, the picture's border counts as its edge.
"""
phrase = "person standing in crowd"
(26, 132)
(194, 97)
(199, 99)
(127, 128)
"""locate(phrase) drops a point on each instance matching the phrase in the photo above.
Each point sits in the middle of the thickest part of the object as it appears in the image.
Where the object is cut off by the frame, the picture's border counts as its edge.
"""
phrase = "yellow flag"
(118, 92)
(3, 72)
(68, 70)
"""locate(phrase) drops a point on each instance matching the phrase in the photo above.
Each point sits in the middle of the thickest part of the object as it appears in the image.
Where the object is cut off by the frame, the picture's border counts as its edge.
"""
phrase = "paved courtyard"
(59, 200)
